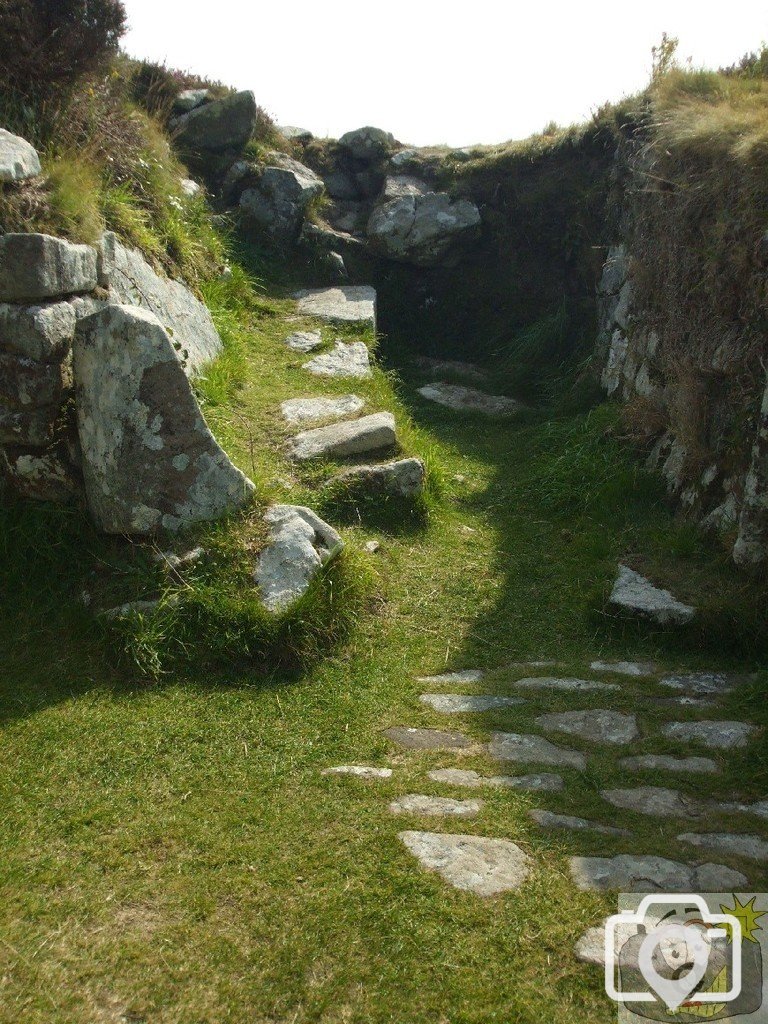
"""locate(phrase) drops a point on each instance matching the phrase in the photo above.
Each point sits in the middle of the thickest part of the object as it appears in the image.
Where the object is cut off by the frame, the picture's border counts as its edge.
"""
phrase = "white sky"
(436, 72)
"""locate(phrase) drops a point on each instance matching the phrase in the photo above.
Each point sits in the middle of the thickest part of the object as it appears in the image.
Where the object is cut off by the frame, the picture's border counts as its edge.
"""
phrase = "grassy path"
(171, 853)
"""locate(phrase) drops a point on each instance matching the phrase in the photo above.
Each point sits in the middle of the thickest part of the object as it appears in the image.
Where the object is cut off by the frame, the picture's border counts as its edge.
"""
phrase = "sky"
(437, 73)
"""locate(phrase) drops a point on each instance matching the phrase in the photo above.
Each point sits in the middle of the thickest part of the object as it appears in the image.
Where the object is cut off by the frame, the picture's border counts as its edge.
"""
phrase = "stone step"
(547, 819)
(566, 685)
(474, 864)
(628, 873)
(461, 399)
(345, 304)
(347, 359)
(306, 410)
(361, 771)
(404, 478)
(715, 735)
(436, 806)
(428, 739)
(457, 703)
(541, 782)
(350, 437)
(598, 726)
(511, 746)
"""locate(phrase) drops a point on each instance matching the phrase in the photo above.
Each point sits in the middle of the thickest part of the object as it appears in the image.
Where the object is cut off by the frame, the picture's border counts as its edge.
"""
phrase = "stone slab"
(428, 739)
(625, 668)
(667, 763)
(547, 819)
(360, 771)
(731, 844)
(467, 675)
(597, 726)
(474, 864)
(347, 359)
(510, 746)
(461, 399)
(435, 806)
(628, 873)
(635, 595)
(566, 685)
(656, 801)
(458, 703)
(543, 782)
(345, 304)
(404, 478)
(300, 543)
(37, 266)
(304, 341)
(350, 437)
(717, 735)
(308, 410)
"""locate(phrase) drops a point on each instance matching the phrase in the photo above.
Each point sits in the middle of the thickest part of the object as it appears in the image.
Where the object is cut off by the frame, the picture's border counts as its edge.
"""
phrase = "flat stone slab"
(457, 703)
(760, 808)
(547, 819)
(469, 371)
(566, 685)
(599, 726)
(461, 399)
(654, 800)
(346, 304)
(428, 739)
(590, 948)
(729, 843)
(304, 341)
(18, 158)
(475, 864)
(300, 542)
(512, 746)
(468, 675)
(436, 806)
(702, 684)
(404, 478)
(635, 595)
(361, 771)
(667, 763)
(544, 782)
(348, 359)
(625, 668)
(627, 873)
(36, 266)
(350, 437)
(718, 735)
(308, 410)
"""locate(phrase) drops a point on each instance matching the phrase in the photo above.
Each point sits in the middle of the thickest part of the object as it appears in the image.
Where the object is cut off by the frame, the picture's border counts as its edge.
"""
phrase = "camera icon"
(685, 957)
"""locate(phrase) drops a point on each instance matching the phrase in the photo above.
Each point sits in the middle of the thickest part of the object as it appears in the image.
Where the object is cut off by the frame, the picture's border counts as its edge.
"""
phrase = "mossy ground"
(170, 851)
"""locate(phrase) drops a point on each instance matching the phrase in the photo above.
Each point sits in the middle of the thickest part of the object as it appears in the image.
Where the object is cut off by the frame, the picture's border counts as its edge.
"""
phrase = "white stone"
(435, 806)
(717, 735)
(18, 159)
(457, 703)
(636, 595)
(304, 341)
(471, 863)
(348, 359)
(307, 410)
(344, 304)
(598, 726)
(300, 543)
(350, 437)
(361, 771)
(190, 188)
(461, 399)
(667, 763)
(567, 685)
(510, 746)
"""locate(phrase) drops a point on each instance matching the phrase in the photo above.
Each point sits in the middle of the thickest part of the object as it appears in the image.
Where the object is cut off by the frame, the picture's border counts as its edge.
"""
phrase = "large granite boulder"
(368, 144)
(149, 459)
(219, 126)
(18, 159)
(132, 282)
(34, 266)
(428, 229)
(279, 199)
(300, 544)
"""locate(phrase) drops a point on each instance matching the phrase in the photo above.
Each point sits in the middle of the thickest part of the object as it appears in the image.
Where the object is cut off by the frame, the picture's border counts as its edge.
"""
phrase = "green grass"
(170, 851)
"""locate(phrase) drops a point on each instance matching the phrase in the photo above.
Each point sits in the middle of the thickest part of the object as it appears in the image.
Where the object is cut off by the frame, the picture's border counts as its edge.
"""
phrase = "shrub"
(47, 46)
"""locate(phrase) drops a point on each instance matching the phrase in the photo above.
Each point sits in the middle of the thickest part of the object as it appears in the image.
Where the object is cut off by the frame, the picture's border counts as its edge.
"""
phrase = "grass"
(170, 850)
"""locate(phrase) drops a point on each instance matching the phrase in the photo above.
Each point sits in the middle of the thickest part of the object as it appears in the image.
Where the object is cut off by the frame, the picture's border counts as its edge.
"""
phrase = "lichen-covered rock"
(400, 186)
(350, 437)
(33, 428)
(279, 199)
(305, 410)
(35, 266)
(149, 459)
(347, 359)
(18, 159)
(404, 478)
(635, 595)
(218, 126)
(368, 144)
(429, 229)
(40, 476)
(27, 383)
(300, 543)
(131, 281)
(37, 332)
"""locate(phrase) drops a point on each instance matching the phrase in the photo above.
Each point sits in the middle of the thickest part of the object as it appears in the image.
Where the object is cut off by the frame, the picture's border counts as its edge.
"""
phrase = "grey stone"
(654, 800)
(28, 427)
(471, 863)
(467, 675)
(510, 746)
(368, 143)
(343, 304)
(188, 99)
(361, 771)
(171, 560)
(34, 266)
(149, 460)
(221, 125)
(190, 188)
(543, 782)
(566, 685)
(427, 739)
(304, 341)
(348, 216)
(307, 410)
(336, 266)
(717, 735)
(430, 229)
(18, 159)
(457, 703)
(547, 819)
(40, 476)
(624, 305)
(26, 383)
(341, 185)
(634, 594)
(436, 806)
(461, 399)
(613, 372)
(372, 547)
(290, 131)
(729, 843)
(751, 547)
(404, 478)
(625, 668)
(348, 359)
(469, 371)
(38, 332)
(627, 873)
(280, 197)
(614, 271)
(142, 608)
(701, 684)
(667, 763)
(350, 437)
(718, 878)
(598, 726)
(300, 543)
(401, 185)
(590, 948)
(133, 282)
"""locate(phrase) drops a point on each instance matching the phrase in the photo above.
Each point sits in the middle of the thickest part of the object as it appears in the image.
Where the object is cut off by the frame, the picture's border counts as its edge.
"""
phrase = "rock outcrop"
(216, 127)
(279, 198)
(149, 460)
(425, 228)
